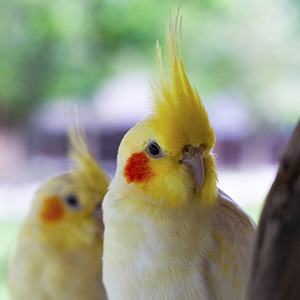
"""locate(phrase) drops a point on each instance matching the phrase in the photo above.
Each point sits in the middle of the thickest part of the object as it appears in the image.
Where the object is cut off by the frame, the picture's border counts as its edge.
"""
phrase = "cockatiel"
(59, 248)
(170, 233)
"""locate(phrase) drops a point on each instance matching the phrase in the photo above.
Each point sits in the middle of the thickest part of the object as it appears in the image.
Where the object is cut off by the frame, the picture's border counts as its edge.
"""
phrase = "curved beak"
(193, 157)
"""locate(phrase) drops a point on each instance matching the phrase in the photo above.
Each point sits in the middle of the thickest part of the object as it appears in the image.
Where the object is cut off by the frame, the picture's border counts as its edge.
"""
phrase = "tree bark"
(275, 273)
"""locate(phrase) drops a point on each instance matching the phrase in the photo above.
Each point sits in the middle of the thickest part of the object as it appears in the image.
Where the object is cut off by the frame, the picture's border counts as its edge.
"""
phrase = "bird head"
(167, 158)
(68, 207)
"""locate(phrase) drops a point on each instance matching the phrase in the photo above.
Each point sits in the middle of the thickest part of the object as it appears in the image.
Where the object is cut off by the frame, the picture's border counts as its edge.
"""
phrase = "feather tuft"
(176, 105)
(84, 165)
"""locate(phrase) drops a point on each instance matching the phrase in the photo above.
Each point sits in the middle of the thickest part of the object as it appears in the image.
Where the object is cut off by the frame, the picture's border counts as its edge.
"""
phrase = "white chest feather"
(154, 258)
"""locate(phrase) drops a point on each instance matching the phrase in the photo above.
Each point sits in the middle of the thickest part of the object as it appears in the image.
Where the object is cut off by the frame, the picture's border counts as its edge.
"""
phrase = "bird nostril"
(189, 149)
(188, 152)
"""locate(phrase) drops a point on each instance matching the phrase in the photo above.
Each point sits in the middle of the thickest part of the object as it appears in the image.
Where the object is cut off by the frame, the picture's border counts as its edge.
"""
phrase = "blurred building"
(118, 106)
(240, 141)
(123, 101)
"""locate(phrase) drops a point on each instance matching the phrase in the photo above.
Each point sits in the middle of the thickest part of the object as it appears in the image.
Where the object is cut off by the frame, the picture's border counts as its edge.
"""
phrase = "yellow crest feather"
(176, 105)
(84, 165)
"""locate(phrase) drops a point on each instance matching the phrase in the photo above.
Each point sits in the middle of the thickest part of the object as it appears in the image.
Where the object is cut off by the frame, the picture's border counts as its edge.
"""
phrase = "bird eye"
(72, 201)
(154, 150)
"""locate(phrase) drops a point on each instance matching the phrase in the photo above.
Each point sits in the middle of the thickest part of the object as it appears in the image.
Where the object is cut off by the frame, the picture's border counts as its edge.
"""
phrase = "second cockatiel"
(60, 244)
(170, 233)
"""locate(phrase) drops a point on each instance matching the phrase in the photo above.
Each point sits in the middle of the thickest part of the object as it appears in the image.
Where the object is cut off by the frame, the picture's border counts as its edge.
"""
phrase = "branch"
(275, 270)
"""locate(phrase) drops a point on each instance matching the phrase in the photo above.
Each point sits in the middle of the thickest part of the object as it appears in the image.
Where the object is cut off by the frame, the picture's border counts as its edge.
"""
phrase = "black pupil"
(153, 149)
(72, 200)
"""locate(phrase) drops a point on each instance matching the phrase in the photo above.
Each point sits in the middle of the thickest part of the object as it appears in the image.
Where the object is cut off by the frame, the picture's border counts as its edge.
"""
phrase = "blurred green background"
(56, 48)
(243, 50)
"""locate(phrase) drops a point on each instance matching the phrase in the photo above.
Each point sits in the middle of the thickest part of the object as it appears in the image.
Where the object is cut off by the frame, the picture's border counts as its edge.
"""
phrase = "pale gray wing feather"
(227, 262)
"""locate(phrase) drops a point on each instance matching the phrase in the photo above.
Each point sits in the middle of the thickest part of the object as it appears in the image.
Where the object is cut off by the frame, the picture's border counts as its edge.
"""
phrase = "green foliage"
(57, 48)
(61, 48)
(250, 49)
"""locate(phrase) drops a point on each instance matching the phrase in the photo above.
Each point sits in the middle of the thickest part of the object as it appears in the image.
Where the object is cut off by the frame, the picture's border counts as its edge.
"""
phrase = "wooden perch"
(275, 273)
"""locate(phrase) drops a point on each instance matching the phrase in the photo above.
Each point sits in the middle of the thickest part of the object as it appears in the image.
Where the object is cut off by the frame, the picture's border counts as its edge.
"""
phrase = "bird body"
(147, 262)
(199, 252)
(170, 233)
(43, 272)
(61, 239)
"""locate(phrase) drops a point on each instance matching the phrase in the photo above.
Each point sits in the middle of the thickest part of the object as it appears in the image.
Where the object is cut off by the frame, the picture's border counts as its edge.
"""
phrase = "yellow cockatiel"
(61, 240)
(170, 233)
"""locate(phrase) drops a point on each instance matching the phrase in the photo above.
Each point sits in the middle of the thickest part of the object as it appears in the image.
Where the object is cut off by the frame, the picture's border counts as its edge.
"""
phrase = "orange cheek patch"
(137, 168)
(53, 210)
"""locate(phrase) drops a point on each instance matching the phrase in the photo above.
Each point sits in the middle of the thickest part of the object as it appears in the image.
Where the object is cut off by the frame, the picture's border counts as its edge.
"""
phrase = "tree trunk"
(275, 273)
